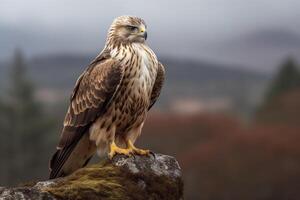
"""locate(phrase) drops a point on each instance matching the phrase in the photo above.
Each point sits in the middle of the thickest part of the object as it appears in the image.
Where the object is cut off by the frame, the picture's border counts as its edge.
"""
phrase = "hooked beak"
(143, 33)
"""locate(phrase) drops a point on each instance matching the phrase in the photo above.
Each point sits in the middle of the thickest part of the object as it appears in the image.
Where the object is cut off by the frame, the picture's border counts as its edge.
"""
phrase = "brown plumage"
(110, 101)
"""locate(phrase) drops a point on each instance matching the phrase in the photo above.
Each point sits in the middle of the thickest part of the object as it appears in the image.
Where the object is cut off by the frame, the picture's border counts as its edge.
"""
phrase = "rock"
(138, 177)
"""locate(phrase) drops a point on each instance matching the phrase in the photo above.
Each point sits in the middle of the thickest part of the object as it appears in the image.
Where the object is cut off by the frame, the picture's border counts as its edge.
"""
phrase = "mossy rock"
(123, 178)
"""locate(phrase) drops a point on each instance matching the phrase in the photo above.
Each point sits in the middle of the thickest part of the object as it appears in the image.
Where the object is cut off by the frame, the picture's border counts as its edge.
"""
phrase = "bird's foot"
(114, 149)
(137, 151)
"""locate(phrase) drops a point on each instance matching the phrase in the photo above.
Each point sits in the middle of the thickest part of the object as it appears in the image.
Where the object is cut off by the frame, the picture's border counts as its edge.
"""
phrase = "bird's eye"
(132, 28)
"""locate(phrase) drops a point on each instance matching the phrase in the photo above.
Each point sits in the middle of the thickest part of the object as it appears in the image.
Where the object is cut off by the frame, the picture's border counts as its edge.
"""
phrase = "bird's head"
(128, 29)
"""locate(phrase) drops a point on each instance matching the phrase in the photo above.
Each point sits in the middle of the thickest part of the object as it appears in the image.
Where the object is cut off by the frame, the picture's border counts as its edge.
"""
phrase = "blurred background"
(230, 108)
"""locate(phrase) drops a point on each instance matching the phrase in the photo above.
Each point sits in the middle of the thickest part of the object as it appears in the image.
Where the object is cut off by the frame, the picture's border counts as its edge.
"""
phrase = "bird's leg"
(137, 151)
(114, 149)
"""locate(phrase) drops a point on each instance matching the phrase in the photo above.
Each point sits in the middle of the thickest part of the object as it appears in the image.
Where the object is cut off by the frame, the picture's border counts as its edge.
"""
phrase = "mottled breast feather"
(159, 81)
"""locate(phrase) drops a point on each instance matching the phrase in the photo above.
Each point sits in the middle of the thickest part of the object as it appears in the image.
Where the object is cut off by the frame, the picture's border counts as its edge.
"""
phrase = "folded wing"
(93, 92)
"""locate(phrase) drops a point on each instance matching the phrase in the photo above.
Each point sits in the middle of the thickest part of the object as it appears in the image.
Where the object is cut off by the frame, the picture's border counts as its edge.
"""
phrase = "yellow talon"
(129, 151)
(135, 150)
(114, 149)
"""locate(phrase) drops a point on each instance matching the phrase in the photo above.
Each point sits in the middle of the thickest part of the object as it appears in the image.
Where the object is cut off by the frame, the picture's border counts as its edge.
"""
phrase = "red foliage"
(222, 159)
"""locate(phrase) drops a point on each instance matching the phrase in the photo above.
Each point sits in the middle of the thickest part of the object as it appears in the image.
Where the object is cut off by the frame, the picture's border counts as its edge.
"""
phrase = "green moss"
(105, 181)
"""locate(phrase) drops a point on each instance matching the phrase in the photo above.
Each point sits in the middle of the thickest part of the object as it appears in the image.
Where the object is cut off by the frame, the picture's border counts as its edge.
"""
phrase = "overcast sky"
(173, 26)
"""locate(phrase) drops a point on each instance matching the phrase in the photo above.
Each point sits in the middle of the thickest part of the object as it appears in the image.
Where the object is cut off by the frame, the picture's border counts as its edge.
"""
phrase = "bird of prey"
(111, 99)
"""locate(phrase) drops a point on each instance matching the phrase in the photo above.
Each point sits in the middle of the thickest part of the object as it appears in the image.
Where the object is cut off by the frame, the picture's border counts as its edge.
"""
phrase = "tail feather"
(58, 160)
(72, 157)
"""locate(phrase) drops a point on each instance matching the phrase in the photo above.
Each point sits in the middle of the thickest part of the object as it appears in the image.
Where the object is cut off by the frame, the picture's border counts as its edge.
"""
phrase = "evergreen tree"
(25, 125)
(287, 78)
(276, 106)
(4, 164)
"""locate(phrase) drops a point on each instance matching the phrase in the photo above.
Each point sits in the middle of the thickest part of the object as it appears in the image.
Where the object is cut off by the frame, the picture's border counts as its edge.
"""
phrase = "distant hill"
(274, 38)
(262, 49)
(185, 78)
